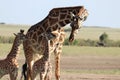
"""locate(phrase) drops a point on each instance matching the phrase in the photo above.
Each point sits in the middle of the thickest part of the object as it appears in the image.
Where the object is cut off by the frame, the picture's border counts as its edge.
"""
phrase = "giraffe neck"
(58, 22)
(56, 19)
(15, 49)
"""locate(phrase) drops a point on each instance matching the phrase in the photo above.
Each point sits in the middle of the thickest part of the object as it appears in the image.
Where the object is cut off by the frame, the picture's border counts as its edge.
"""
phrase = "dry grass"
(81, 63)
(78, 63)
(92, 33)
(9, 29)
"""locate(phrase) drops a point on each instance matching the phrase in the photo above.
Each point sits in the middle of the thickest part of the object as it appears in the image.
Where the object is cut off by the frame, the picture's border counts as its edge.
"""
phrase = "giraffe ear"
(15, 34)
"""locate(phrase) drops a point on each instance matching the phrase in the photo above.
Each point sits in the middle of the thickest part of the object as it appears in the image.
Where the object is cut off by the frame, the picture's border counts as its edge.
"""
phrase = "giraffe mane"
(67, 8)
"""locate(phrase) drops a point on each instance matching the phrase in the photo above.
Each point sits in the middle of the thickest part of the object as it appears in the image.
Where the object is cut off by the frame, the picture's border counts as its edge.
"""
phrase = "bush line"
(92, 43)
(76, 42)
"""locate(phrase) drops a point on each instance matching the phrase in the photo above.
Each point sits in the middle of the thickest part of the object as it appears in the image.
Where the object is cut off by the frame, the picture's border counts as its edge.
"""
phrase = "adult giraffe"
(52, 24)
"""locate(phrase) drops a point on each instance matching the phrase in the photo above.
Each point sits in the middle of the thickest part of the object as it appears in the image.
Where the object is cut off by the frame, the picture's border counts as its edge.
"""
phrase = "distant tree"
(103, 38)
(2, 23)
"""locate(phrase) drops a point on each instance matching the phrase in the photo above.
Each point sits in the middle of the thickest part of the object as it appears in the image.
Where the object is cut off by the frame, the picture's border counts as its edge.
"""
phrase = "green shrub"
(103, 38)
(111, 43)
(88, 42)
(81, 42)
(75, 42)
(66, 42)
(118, 43)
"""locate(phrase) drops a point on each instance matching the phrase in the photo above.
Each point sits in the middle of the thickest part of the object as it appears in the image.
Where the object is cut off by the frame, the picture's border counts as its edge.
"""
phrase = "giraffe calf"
(37, 70)
(43, 68)
(9, 65)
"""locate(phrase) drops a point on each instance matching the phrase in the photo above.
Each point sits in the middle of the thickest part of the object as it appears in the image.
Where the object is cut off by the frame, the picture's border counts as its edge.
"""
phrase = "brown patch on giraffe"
(67, 21)
(68, 16)
(39, 39)
(54, 13)
(55, 27)
(35, 36)
(45, 24)
(61, 23)
(62, 16)
(63, 11)
(53, 21)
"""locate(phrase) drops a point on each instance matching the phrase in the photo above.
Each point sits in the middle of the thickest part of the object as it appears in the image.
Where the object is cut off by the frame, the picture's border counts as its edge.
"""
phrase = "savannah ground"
(78, 63)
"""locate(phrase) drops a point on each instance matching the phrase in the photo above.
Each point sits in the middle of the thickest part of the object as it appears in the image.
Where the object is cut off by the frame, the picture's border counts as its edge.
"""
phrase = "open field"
(81, 63)
(95, 32)
(92, 33)
(77, 63)
(9, 29)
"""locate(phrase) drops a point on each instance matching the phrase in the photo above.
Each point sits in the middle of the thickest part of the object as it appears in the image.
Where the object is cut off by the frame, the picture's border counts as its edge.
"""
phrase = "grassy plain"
(78, 63)
(92, 33)
(9, 29)
(95, 32)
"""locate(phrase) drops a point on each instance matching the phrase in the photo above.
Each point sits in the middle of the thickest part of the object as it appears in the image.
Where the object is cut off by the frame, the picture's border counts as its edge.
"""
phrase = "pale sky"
(101, 12)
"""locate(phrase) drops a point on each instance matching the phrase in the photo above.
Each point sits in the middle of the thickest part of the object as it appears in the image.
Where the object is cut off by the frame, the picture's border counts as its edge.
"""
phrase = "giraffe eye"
(74, 19)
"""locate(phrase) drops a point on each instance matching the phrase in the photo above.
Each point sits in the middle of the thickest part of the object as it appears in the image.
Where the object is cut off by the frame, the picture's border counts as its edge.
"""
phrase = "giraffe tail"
(24, 71)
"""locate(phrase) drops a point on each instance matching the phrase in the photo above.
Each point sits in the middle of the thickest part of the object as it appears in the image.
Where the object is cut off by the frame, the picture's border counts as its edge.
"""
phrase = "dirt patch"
(90, 62)
(74, 67)
(90, 77)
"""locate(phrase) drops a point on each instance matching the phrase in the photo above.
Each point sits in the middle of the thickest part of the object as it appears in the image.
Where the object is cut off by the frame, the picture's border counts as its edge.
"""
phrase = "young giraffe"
(53, 23)
(9, 65)
(42, 65)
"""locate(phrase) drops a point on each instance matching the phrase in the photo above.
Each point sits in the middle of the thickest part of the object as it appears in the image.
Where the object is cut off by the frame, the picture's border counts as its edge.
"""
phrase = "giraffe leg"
(57, 66)
(42, 76)
(49, 72)
(29, 70)
(44, 72)
(13, 75)
(34, 74)
(28, 74)
(29, 60)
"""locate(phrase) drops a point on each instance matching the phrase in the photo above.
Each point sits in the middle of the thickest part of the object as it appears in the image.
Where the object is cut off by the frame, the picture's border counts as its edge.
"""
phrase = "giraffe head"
(20, 36)
(65, 15)
(77, 20)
